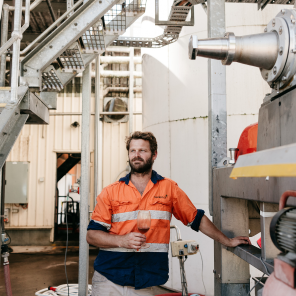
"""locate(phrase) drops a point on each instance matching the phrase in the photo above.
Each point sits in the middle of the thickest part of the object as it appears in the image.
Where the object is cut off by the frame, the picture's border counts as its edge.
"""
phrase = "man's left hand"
(239, 240)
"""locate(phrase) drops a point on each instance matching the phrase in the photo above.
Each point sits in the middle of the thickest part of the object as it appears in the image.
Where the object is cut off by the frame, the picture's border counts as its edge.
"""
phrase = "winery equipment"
(250, 205)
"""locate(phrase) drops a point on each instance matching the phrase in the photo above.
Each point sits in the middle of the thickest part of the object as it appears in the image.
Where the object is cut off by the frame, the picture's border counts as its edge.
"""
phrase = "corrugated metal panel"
(38, 145)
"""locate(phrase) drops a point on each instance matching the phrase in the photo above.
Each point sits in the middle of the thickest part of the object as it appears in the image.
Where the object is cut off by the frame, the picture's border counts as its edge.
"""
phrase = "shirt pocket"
(159, 204)
(122, 206)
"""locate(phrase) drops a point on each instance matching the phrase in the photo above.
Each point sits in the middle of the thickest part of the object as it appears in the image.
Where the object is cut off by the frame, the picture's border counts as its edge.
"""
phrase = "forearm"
(103, 239)
(209, 229)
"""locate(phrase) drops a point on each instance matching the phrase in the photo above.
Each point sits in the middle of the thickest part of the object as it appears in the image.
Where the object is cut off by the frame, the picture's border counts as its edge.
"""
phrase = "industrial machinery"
(246, 195)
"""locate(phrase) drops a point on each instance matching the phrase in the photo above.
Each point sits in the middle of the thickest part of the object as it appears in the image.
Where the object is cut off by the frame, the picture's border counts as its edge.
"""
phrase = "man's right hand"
(132, 240)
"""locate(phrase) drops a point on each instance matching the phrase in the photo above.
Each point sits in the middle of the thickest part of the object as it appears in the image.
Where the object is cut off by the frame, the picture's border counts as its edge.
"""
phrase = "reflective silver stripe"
(153, 248)
(108, 226)
(164, 215)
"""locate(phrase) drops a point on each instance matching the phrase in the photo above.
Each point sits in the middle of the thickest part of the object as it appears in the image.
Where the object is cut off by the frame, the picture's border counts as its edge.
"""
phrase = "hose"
(7, 280)
(62, 290)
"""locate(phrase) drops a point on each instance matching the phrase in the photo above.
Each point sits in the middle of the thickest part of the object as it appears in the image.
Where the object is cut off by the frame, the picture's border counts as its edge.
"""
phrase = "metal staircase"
(62, 51)
(87, 32)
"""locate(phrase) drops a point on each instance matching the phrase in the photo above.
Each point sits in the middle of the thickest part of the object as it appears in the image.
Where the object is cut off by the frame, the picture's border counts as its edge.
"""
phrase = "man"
(122, 268)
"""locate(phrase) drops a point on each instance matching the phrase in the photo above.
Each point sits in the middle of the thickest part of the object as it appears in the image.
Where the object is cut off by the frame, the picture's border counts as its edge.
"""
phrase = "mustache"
(137, 158)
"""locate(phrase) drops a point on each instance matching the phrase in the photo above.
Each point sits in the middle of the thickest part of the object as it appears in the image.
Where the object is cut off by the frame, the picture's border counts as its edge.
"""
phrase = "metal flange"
(278, 25)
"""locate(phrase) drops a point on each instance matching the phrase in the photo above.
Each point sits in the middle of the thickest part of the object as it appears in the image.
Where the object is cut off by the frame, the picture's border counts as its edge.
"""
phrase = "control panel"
(184, 248)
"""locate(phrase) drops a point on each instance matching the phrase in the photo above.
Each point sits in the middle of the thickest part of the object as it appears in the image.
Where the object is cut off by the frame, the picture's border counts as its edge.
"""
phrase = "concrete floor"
(33, 272)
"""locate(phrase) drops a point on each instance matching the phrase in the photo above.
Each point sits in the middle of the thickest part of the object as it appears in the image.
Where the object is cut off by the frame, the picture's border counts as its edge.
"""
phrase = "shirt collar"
(154, 178)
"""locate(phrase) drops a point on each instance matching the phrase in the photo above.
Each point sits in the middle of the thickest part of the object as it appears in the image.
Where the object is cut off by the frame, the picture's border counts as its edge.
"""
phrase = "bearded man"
(120, 267)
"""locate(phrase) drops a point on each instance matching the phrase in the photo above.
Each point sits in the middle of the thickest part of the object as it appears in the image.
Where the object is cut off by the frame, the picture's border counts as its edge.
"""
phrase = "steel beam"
(85, 176)
(38, 112)
(258, 189)
(64, 36)
(217, 109)
(252, 255)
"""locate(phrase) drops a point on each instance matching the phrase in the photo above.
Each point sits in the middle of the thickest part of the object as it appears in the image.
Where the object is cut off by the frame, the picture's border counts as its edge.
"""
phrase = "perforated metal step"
(51, 80)
(115, 20)
(93, 39)
(71, 60)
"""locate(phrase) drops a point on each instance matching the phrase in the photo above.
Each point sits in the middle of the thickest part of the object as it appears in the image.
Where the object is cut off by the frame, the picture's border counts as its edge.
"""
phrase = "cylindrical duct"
(259, 50)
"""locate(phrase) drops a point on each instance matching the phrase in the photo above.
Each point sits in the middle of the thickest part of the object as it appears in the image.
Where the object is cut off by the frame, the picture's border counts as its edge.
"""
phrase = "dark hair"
(147, 136)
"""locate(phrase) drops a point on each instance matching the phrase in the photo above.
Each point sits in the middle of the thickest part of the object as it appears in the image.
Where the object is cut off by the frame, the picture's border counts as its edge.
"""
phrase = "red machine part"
(7, 280)
(284, 197)
(285, 273)
(275, 287)
(248, 141)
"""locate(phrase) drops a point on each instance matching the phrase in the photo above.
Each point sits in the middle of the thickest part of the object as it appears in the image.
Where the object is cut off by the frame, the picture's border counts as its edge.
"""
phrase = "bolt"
(273, 22)
(219, 276)
(25, 70)
(100, 2)
(75, 24)
(280, 30)
(281, 50)
(265, 30)
(274, 70)
(50, 46)
(283, 11)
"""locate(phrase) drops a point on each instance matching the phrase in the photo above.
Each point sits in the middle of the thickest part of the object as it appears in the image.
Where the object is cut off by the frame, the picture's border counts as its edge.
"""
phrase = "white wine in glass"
(144, 223)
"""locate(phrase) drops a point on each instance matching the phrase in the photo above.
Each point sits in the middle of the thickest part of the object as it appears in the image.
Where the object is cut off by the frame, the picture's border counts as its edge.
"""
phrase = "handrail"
(15, 35)
(27, 17)
(51, 27)
(32, 6)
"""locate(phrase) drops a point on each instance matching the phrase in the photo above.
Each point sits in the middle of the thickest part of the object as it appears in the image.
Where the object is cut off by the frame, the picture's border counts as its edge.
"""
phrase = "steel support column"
(217, 121)
(85, 177)
(131, 92)
(98, 133)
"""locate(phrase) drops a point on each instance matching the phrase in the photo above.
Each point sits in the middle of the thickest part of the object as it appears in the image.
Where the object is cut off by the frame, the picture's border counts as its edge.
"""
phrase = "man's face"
(140, 156)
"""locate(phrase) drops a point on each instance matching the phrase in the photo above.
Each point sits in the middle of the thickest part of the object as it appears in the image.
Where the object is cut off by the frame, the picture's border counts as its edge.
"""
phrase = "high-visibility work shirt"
(116, 212)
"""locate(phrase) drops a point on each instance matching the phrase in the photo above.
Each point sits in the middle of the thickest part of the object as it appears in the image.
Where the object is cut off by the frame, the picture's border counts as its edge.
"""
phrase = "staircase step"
(51, 80)
(71, 60)
(93, 40)
(115, 20)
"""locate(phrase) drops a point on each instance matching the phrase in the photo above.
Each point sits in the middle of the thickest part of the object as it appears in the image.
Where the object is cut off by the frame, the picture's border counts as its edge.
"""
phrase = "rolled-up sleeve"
(184, 210)
(101, 216)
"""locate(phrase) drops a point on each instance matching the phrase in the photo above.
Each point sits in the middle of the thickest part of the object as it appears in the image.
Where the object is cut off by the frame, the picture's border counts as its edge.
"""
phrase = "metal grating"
(93, 39)
(135, 6)
(179, 12)
(115, 20)
(71, 59)
(50, 80)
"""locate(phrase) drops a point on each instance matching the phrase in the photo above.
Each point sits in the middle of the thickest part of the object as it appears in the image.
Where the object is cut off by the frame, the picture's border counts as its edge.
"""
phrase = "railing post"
(16, 50)
(4, 36)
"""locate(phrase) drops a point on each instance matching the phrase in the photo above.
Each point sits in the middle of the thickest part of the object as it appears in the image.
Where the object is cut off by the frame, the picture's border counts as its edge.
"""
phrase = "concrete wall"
(175, 109)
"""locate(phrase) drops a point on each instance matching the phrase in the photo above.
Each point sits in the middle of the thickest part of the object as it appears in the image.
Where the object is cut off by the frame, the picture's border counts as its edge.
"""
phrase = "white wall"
(175, 109)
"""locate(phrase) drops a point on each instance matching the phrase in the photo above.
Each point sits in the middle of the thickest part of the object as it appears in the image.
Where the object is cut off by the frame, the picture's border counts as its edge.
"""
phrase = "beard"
(142, 168)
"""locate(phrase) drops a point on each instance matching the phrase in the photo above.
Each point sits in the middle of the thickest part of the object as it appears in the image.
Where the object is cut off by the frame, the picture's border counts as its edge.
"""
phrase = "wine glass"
(144, 223)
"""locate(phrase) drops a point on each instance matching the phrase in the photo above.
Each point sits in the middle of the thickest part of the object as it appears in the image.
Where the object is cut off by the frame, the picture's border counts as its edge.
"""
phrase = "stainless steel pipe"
(259, 50)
